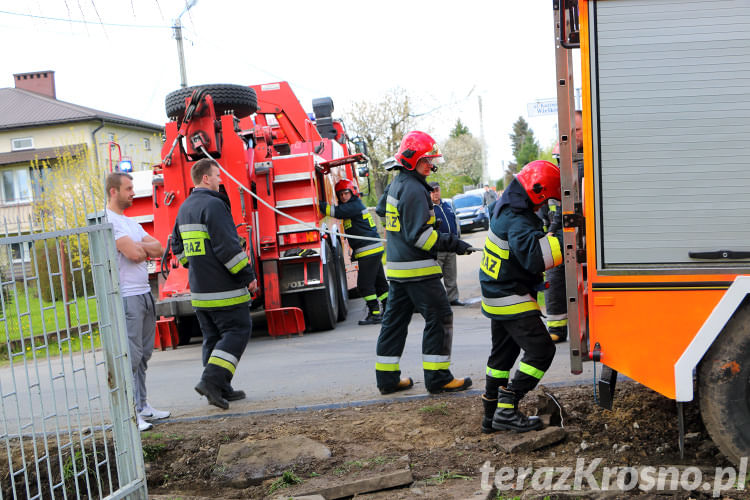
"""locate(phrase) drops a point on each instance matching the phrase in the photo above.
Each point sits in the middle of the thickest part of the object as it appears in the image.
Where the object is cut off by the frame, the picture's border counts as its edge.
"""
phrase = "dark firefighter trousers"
(225, 335)
(508, 338)
(429, 299)
(371, 281)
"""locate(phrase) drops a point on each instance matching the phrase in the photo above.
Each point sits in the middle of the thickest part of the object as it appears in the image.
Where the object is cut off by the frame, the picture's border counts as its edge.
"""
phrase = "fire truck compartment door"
(670, 91)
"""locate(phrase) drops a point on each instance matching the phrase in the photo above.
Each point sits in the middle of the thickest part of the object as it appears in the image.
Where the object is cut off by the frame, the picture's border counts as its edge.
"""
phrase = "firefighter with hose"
(371, 282)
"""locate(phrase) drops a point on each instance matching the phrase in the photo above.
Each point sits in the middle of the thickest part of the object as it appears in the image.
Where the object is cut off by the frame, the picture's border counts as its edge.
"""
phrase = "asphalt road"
(337, 366)
(323, 368)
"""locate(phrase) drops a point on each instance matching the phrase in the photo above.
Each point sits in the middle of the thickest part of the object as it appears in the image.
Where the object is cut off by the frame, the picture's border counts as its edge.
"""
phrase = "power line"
(83, 21)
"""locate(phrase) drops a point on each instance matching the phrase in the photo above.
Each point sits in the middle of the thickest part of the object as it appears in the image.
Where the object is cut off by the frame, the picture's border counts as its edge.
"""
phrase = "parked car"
(470, 211)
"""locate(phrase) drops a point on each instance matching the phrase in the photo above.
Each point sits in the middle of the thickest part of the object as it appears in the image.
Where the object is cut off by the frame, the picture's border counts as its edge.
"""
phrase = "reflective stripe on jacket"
(205, 240)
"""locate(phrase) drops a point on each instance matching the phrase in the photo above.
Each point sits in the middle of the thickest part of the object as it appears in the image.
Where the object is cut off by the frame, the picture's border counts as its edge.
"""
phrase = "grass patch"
(26, 318)
(53, 348)
(346, 467)
(443, 476)
(380, 460)
(441, 408)
(151, 451)
(288, 478)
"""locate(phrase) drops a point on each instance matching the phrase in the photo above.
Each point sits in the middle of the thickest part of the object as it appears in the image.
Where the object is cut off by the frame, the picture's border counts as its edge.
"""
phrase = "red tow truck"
(277, 164)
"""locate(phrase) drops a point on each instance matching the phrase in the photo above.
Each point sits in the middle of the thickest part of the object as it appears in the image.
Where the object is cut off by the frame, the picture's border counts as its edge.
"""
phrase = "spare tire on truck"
(227, 97)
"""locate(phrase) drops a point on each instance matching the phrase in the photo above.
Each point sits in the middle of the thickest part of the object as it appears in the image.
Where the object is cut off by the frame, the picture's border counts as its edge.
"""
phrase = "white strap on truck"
(305, 224)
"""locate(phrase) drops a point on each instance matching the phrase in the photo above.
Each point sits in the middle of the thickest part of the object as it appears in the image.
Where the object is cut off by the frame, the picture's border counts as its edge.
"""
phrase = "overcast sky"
(445, 54)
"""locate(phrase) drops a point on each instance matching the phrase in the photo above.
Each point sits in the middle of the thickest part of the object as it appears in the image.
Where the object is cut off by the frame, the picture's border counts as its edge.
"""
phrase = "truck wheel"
(322, 306)
(724, 387)
(343, 287)
(227, 97)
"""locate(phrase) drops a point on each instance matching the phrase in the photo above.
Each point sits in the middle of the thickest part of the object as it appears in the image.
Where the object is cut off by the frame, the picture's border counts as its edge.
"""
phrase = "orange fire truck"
(657, 234)
(276, 164)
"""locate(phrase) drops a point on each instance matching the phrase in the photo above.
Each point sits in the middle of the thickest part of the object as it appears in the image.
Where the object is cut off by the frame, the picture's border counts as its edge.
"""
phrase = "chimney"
(41, 82)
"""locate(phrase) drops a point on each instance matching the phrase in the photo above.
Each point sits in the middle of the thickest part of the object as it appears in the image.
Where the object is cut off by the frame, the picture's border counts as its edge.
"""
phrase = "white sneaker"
(150, 413)
(143, 425)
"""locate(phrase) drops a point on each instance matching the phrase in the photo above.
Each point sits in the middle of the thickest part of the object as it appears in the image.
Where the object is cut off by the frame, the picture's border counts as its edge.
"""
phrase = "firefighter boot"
(232, 395)
(403, 384)
(212, 393)
(373, 314)
(507, 416)
(455, 385)
(490, 405)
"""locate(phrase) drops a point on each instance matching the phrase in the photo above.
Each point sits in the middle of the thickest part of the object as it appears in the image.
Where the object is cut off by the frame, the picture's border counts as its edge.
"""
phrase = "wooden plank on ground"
(376, 483)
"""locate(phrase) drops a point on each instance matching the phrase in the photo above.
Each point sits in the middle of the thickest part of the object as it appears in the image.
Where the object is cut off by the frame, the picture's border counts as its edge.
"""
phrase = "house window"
(22, 143)
(20, 252)
(16, 186)
(147, 144)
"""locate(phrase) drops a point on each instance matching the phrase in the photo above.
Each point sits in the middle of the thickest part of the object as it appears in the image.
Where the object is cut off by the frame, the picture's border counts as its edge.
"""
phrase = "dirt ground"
(438, 438)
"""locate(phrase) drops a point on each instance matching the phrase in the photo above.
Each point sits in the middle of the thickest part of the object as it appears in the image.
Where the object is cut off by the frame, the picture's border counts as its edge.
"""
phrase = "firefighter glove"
(463, 248)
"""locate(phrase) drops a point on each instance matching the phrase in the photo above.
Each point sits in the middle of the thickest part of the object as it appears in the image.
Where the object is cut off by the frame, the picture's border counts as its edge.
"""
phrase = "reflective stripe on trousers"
(510, 305)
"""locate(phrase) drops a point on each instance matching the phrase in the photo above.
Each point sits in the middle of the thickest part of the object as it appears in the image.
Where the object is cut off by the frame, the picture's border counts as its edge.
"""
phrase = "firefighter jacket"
(357, 222)
(516, 253)
(205, 240)
(412, 240)
(380, 207)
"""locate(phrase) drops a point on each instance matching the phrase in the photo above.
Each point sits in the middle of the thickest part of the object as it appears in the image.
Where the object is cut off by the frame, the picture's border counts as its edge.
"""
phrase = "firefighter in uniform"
(358, 221)
(554, 296)
(414, 274)
(221, 278)
(517, 251)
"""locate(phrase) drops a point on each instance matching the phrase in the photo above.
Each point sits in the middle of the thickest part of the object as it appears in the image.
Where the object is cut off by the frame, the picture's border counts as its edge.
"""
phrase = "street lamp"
(178, 36)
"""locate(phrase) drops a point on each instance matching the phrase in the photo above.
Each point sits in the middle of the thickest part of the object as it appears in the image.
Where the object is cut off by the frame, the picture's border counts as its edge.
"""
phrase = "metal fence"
(68, 418)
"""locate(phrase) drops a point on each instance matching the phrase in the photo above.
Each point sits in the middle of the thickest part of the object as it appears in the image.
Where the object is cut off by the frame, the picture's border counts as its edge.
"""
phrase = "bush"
(49, 267)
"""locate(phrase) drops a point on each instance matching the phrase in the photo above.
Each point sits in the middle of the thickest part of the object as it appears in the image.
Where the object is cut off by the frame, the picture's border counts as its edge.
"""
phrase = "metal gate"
(68, 416)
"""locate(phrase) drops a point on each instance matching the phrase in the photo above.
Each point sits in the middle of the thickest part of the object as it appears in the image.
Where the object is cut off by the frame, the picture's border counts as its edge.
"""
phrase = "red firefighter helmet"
(346, 184)
(415, 146)
(541, 180)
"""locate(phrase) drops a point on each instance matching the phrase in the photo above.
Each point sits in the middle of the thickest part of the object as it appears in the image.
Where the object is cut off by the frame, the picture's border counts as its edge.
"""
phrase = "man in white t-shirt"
(134, 246)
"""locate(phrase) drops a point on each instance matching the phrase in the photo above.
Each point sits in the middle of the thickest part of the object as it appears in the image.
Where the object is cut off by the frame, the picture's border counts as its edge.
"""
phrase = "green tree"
(463, 157)
(525, 148)
(69, 187)
(546, 154)
(459, 129)
(518, 136)
(529, 150)
(382, 125)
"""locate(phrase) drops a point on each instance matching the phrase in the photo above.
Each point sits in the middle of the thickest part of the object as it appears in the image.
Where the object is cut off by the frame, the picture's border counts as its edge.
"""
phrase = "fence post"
(113, 334)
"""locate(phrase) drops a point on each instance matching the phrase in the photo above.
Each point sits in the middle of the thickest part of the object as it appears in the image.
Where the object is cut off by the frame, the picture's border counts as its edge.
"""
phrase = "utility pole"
(180, 52)
(178, 36)
(485, 174)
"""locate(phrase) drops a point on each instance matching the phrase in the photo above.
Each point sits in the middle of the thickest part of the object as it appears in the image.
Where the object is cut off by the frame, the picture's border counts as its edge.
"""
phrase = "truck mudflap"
(285, 321)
